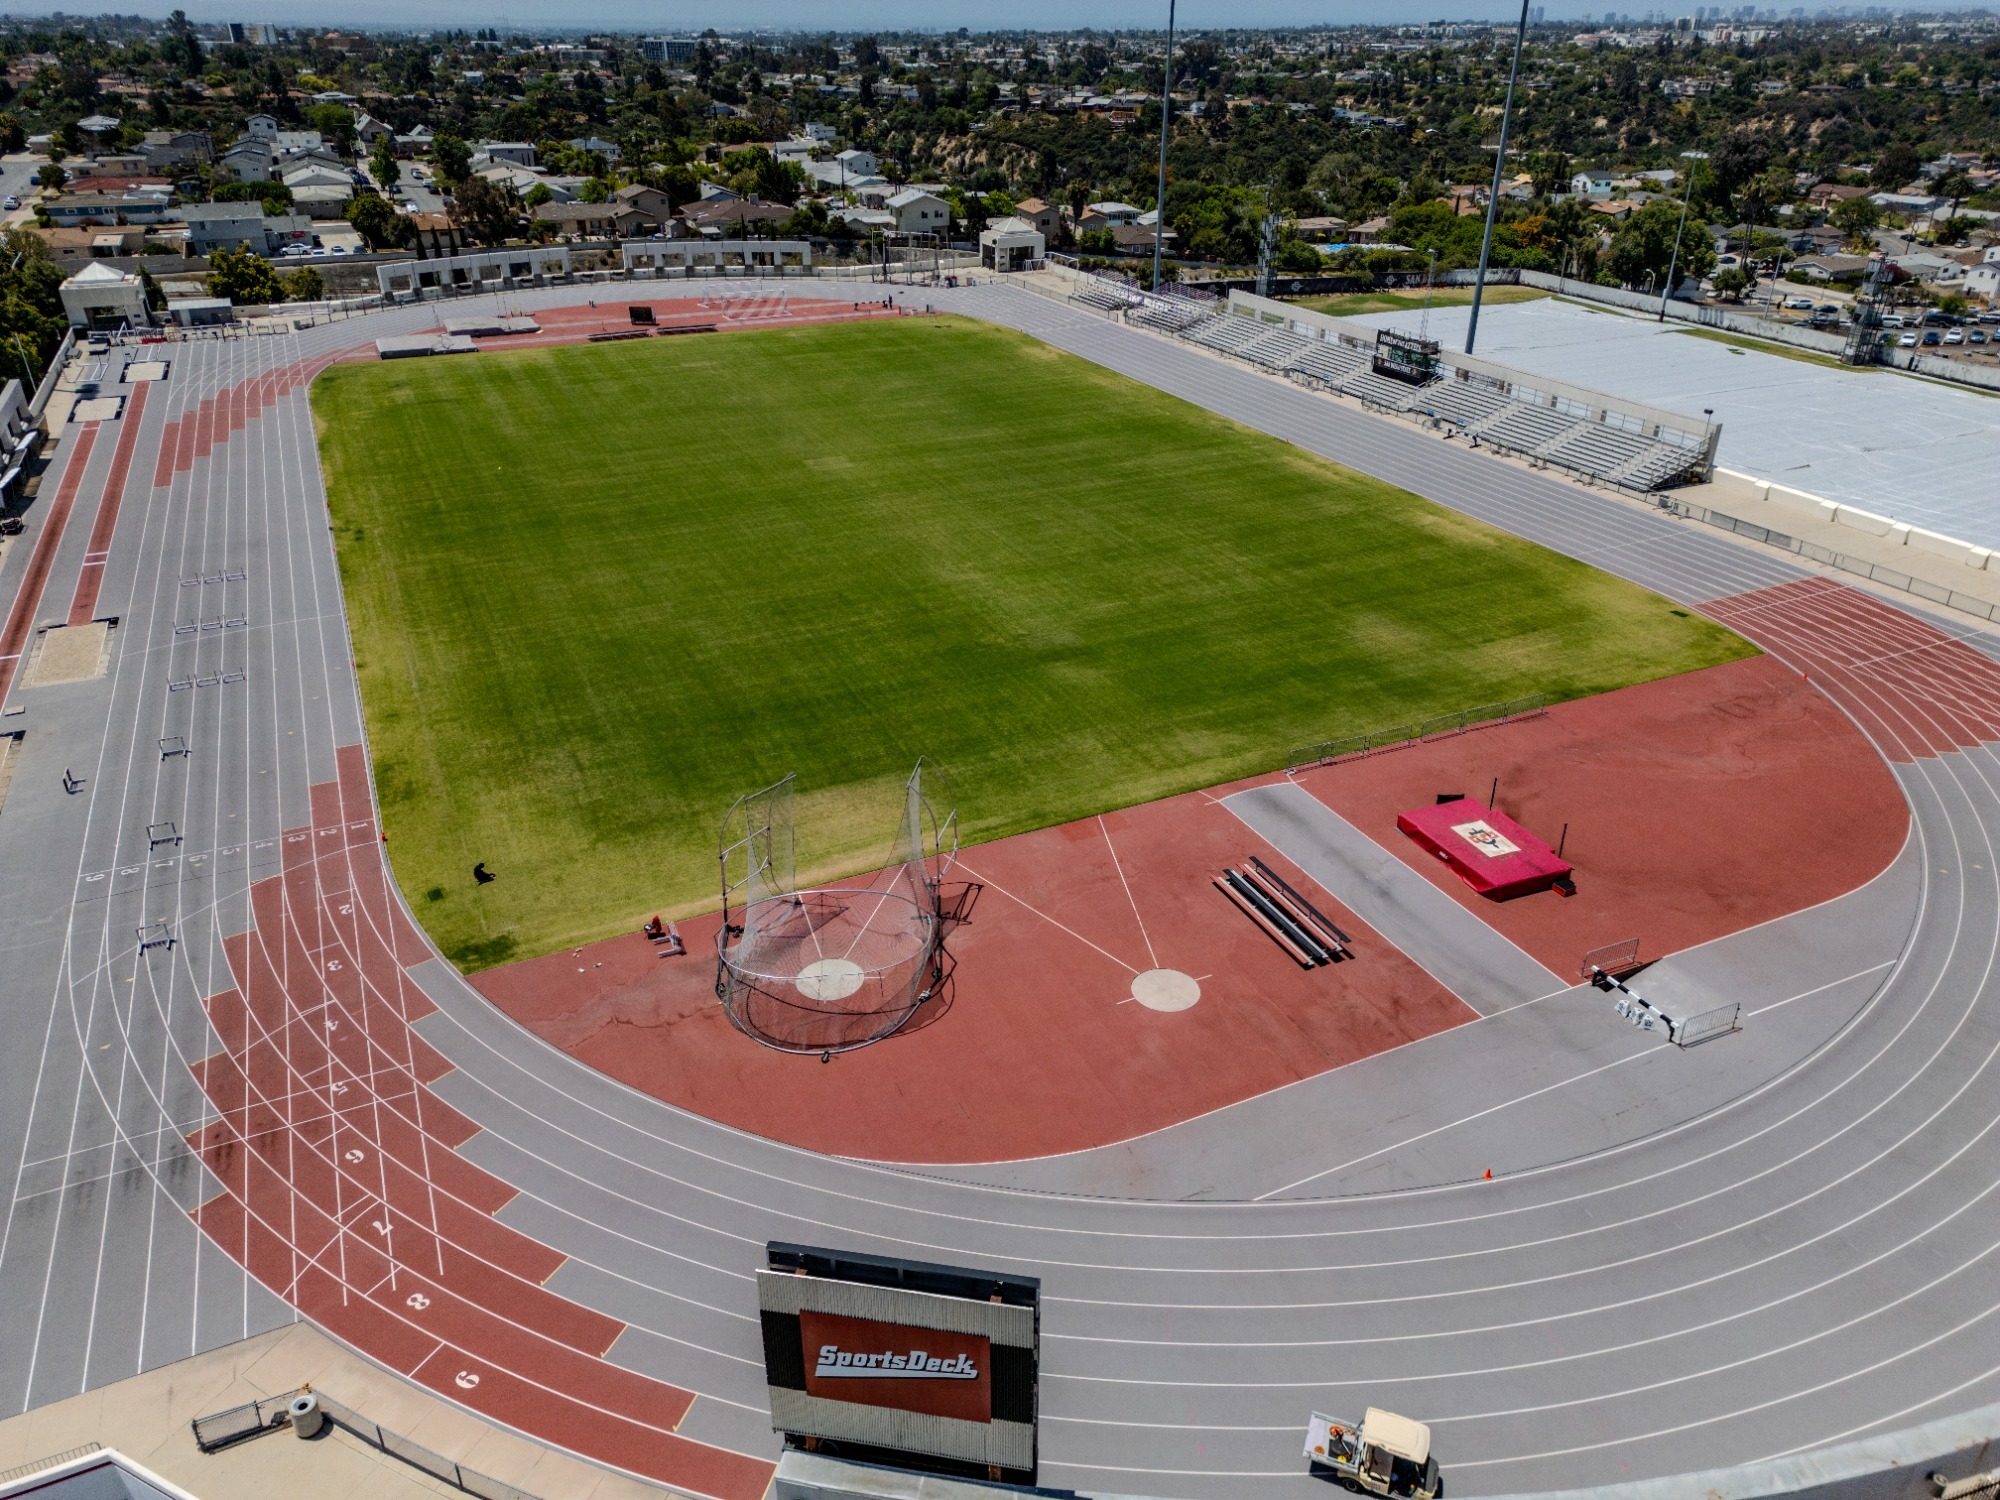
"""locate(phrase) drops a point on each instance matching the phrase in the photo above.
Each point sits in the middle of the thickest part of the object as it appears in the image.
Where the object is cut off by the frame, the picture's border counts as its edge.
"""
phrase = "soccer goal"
(827, 970)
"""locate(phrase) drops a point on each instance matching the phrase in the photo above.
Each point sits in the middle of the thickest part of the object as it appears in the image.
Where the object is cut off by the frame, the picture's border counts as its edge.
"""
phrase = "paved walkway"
(146, 1418)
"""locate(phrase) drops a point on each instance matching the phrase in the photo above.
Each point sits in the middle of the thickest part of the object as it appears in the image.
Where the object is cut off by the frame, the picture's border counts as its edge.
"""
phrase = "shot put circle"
(827, 979)
(1165, 989)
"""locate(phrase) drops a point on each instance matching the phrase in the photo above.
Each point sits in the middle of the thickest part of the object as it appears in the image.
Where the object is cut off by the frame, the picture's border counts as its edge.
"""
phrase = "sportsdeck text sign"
(886, 1364)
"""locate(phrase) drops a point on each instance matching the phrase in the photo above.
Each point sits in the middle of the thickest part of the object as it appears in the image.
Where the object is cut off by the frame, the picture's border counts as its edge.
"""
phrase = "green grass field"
(598, 591)
(1354, 304)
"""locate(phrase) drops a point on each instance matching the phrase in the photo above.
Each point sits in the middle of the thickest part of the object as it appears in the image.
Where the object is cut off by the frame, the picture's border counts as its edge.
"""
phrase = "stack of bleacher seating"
(1275, 350)
(1461, 402)
(1167, 319)
(1380, 390)
(1661, 465)
(1327, 362)
(1526, 428)
(1597, 449)
(1228, 333)
(1100, 296)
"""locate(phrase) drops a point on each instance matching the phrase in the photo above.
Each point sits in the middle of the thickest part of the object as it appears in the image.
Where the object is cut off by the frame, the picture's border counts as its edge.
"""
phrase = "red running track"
(83, 605)
(1915, 691)
(28, 602)
(343, 1191)
(198, 431)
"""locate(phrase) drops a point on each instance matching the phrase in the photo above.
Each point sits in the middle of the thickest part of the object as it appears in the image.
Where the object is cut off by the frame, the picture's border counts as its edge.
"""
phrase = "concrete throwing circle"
(1165, 989)
(833, 979)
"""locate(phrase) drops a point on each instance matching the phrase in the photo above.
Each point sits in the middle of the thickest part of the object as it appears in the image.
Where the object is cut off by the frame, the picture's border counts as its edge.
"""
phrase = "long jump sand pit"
(1698, 805)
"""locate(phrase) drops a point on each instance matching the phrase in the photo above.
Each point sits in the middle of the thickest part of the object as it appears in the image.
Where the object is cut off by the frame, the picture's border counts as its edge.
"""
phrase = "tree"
(452, 156)
(304, 285)
(378, 223)
(1855, 217)
(334, 121)
(387, 170)
(537, 196)
(1643, 249)
(52, 176)
(485, 210)
(1896, 165)
(12, 136)
(182, 47)
(1732, 282)
(1955, 185)
(243, 276)
(592, 191)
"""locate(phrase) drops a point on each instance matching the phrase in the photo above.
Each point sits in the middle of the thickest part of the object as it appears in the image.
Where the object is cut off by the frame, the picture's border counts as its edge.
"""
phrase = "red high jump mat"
(1485, 848)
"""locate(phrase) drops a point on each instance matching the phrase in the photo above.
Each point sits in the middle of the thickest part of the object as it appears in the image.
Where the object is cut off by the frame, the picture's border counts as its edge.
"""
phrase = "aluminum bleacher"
(1462, 402)
(1380, 390)
(1478, 405)
(1661, 465)
(1100, 296)
(1274, 350)
(1526, 428)
(1167, 319)
(1228, 333)
(1328, 361)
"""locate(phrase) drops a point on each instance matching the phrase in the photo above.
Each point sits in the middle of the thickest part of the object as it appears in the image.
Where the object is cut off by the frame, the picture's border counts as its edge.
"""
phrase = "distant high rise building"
(255, 34)
(1535, 15)
(667, 49)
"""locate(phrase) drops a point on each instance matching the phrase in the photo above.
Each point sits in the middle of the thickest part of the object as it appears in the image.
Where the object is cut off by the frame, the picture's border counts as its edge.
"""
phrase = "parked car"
(1954, 336)
(1907, 341)
(1803, 304)
(1977, 336)
(1990, 317)
(1892, 320)
(1932, 338)
(12, 201)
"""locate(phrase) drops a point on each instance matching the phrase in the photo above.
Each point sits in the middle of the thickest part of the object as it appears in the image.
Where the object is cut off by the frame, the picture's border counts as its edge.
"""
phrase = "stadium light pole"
(1166, 114)
(1674, 262)
(1499, 166)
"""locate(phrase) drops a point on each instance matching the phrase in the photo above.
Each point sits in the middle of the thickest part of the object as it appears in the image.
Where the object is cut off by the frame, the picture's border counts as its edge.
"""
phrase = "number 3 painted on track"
(467, 1380)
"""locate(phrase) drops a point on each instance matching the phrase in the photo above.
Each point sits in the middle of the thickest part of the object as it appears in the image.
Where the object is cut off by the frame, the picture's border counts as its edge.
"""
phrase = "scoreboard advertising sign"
(888, 1364)
(902, 1362)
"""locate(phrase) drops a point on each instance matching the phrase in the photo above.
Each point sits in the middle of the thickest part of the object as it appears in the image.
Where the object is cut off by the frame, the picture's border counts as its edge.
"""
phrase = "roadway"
(1763, 1246)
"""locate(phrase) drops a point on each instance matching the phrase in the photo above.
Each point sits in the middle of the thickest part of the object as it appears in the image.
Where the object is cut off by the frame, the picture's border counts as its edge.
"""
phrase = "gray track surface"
(1775, 1242)
(1457, 949)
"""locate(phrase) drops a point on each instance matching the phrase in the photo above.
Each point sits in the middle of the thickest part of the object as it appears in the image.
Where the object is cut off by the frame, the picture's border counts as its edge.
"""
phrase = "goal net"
(838, 967)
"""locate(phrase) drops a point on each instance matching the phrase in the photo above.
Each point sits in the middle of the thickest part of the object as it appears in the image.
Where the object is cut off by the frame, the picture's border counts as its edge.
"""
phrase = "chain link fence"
(1373, 742)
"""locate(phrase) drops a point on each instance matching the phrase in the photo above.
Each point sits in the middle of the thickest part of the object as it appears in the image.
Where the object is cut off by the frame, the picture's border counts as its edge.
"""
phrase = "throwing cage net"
(832, 969)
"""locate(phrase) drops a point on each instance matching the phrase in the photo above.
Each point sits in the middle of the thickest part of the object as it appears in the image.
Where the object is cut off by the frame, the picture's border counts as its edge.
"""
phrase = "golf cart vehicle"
(1388, 1455)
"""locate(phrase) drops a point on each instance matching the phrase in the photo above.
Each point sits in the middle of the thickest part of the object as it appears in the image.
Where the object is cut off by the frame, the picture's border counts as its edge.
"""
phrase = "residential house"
(590, 220)
(654, 207)
(1113, 212)
(1827, 197)
(919, 212)
(1983, 280)
(598, 146)
(176, 148)
(1824, 267)
(1592, 184)
(250, 160)
(261, 127)
(1369, 231)
(319, 188)
(732, 218)
(1044, 218)
(1320, 229)
(518, 153)
(1138, 238)
(241, 226)
(72, 210)
(371, 132)
(854, 163)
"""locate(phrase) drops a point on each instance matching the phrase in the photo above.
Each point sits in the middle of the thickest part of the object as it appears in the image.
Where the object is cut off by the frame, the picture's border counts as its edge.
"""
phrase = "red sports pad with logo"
(869, 1363)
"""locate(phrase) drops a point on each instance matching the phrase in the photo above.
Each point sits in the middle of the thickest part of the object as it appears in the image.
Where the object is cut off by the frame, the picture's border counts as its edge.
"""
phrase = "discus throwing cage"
(831, 969)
